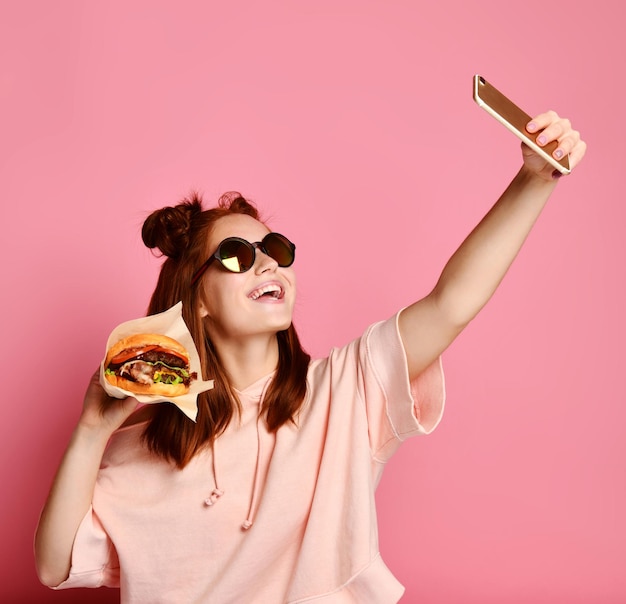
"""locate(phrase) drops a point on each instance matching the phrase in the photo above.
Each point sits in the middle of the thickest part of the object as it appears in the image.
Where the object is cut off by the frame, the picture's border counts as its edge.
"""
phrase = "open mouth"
(272, 291)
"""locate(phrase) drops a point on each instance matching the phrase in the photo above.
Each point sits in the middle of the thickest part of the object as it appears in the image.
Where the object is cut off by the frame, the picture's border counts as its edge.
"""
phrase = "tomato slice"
(131, 353)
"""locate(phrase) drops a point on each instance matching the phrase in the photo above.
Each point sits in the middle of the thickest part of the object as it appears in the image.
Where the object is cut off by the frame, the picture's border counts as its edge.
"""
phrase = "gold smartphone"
(511, 116)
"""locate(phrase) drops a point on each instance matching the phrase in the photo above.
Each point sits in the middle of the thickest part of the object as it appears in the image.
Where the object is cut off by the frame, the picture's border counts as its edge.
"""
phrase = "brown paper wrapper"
(169, 323)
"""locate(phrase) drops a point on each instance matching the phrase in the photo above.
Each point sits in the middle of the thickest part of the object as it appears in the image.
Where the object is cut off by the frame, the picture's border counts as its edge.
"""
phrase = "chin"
(284, 327)
(280, 326)
(278, 322)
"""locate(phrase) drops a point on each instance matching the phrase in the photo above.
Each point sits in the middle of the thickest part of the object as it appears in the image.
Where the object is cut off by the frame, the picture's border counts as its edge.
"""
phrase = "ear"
(201, 305)
(203, 310)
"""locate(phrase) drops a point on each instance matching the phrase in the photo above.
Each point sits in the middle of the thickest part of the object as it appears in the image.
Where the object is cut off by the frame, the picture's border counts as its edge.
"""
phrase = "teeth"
(274, 289)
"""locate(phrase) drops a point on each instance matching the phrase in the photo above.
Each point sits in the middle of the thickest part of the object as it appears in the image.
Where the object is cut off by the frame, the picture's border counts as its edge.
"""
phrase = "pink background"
(351, 124)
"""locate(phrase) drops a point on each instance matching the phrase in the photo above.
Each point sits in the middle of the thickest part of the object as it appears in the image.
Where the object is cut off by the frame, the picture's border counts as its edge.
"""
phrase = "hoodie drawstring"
(216, 493)
(253, 499)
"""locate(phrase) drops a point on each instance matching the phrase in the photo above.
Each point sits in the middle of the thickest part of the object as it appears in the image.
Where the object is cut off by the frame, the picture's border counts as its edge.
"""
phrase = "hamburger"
(149, 363)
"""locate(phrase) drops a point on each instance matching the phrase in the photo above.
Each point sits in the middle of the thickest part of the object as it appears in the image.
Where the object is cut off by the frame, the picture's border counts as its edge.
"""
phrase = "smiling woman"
(269, 496)
(226, 317)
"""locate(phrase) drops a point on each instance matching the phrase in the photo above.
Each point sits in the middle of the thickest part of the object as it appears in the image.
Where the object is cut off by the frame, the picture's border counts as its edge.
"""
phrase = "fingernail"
(558, 154)
(556, 174)
(541, 139)
(531, 127)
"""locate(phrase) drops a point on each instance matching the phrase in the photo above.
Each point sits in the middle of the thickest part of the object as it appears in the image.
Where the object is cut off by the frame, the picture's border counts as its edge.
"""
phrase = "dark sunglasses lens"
(279, 248)
(237, 256)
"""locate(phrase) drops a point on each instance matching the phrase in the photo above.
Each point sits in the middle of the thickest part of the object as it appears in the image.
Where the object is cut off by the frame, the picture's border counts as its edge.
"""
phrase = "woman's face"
(233, 303)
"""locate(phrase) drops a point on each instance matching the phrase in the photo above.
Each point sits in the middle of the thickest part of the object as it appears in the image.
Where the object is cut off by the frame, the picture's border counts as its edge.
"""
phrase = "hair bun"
(168, 229)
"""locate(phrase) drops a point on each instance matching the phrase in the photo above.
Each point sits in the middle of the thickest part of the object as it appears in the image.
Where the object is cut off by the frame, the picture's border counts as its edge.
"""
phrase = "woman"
(270, 496)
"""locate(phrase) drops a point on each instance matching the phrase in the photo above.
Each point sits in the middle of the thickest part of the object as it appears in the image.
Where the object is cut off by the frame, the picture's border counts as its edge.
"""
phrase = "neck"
(247, 361)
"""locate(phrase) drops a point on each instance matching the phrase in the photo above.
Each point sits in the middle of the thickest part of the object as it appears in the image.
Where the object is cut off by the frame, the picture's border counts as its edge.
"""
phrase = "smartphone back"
(513, 118)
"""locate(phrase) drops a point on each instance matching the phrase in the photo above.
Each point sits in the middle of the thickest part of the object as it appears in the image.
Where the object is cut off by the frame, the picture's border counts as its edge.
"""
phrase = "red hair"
(181, 233)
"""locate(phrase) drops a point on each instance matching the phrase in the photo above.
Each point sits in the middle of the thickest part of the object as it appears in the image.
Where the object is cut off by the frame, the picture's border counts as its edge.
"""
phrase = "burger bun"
(146, 339)
(136, 342)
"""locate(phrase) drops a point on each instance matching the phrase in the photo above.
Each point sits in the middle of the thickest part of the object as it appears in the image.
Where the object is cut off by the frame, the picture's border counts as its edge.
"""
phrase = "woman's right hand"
(72, 490)
(101, 412)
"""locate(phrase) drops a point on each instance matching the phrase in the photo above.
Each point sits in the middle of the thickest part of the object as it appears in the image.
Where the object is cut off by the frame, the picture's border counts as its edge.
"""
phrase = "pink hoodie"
(265, 518)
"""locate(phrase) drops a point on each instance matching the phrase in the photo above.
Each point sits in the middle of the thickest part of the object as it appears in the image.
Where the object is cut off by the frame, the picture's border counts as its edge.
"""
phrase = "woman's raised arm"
(475, 270)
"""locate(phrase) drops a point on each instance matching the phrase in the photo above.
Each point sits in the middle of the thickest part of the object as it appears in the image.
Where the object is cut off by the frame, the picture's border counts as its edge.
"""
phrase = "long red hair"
(180, 233)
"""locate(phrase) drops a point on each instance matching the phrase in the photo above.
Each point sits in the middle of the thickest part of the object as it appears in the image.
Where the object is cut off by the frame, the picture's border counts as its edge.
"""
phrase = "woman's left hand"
(554, 128)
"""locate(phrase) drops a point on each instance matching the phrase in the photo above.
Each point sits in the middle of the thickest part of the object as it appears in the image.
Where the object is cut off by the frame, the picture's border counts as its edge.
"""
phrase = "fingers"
(551, 128)
(118, 408)
(577, 153)
(102, 412)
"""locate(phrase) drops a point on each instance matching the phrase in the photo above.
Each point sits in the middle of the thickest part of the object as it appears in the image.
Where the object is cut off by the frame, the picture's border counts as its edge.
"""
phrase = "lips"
(271, 291)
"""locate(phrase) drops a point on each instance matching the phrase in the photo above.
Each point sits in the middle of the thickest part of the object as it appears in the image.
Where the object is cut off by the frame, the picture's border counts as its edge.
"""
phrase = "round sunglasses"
(238, 255)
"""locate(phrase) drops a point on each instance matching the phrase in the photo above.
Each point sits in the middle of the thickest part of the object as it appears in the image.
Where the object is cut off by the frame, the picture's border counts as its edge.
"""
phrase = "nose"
(263, 262)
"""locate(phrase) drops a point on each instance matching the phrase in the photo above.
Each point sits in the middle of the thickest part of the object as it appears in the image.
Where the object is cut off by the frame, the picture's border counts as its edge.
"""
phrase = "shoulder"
(376, 337)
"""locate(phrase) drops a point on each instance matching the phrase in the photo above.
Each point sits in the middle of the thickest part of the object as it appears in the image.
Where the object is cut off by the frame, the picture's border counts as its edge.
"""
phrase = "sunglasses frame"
(254, 245)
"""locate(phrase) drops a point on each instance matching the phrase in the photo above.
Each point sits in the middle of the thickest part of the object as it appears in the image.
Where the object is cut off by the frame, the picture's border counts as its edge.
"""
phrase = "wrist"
(530, 179)
(548, 177)
(89, 435)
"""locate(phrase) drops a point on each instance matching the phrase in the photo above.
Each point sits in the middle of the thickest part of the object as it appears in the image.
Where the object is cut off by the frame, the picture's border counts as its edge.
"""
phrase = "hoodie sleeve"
(94, 559)
(396, 407)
